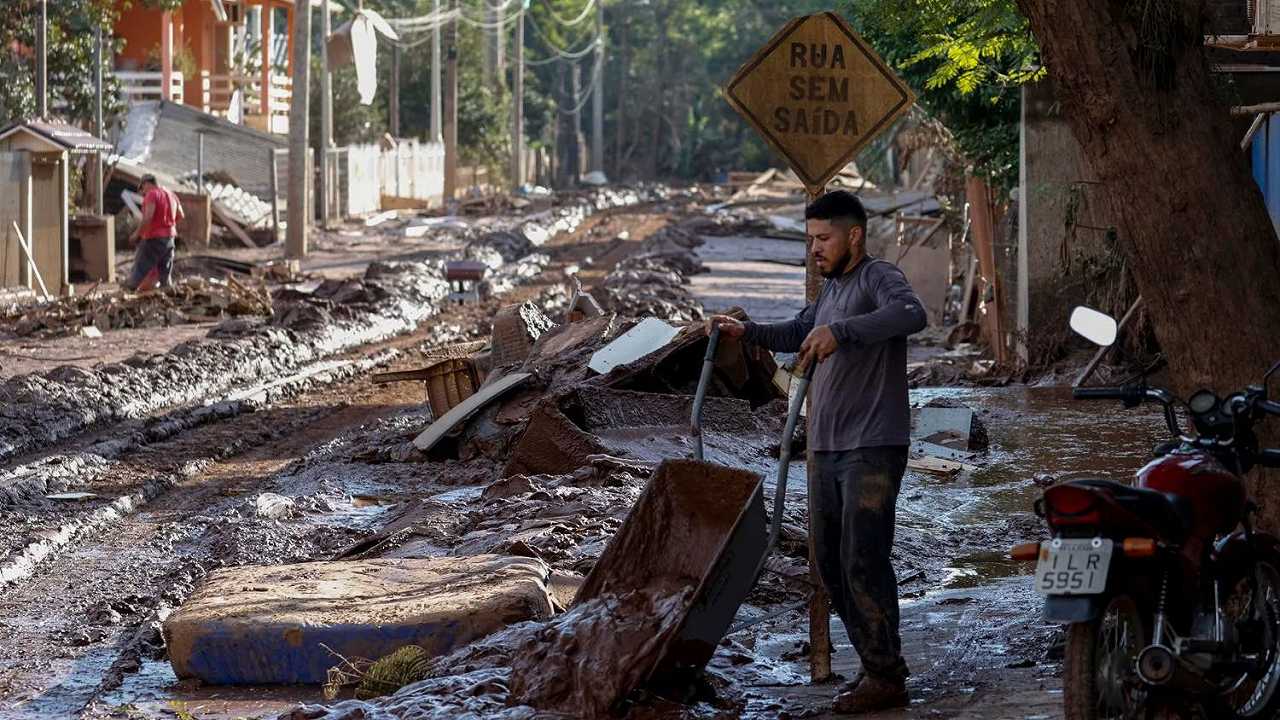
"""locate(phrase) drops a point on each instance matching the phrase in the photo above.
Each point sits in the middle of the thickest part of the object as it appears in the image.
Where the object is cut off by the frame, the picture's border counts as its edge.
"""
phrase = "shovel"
(784, 462)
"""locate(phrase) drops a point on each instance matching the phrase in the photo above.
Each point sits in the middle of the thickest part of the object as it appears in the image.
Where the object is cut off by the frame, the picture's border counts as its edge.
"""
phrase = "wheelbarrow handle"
(708, 363)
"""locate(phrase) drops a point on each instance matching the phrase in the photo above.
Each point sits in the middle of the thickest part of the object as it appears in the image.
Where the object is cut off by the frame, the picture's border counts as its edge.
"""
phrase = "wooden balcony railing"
(140, 86)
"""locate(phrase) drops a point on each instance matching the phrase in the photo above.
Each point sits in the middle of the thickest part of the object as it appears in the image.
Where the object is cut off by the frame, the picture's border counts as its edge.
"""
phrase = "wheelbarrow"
(697, 524)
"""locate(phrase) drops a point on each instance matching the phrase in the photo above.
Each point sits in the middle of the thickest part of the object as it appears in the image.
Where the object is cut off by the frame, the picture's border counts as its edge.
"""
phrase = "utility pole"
(97, 119)
(597, 95)
(575, 142)
(436, 113)
(42, 62)
(394, 99)
(517, 101)
(326, 109)
(451, 107)
(299, 180)
(494, 56)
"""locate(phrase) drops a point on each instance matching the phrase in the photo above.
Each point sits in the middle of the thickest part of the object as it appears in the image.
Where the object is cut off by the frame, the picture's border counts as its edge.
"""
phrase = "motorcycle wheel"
(1100, 680)
(1258, 695)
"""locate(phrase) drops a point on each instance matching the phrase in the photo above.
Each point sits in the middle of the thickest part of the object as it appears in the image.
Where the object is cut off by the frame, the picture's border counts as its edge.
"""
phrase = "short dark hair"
(148, 178)
(838, 205)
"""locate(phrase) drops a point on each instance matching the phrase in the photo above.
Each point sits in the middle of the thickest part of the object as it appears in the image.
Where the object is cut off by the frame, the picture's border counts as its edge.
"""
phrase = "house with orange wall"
(210, 54)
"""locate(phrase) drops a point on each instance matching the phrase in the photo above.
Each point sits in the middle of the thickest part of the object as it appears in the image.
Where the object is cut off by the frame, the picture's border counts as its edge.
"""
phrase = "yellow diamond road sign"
(818, 94)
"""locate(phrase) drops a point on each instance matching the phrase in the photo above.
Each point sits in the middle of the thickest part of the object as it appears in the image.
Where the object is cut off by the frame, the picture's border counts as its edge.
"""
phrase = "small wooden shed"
(34, 172)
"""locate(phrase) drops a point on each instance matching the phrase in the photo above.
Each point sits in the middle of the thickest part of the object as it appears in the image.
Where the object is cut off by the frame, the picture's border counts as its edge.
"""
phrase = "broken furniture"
(464, 276)
(448, 382)
(291, 623)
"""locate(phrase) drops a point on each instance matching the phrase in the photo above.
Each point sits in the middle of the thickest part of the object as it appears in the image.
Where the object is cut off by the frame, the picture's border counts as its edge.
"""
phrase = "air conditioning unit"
(1264, 16)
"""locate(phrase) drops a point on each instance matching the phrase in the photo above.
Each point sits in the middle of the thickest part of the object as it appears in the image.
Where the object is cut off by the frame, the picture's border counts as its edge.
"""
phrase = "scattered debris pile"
(245, 208)
(577, 665)
(189, 300)
(41, 409)
(651, 282)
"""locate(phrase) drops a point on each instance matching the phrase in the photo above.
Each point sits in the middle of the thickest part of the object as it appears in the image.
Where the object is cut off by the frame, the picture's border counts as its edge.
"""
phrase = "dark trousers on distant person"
(152, 264)
(854, 495)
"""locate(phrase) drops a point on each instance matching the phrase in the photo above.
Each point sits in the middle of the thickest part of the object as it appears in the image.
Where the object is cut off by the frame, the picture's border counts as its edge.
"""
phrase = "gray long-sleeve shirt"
(860, 391)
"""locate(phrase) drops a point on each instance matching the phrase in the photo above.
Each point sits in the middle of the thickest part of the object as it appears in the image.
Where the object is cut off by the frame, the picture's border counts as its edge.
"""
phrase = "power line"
(586, 11)
(590, 90)
(556, 48)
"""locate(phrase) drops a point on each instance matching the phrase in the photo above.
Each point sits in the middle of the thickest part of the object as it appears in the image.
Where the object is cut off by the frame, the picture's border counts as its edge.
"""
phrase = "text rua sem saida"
(821, 93)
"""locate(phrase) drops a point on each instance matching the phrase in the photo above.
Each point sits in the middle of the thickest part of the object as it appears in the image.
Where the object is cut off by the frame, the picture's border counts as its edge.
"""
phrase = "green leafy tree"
(70, 58)
(966, 59)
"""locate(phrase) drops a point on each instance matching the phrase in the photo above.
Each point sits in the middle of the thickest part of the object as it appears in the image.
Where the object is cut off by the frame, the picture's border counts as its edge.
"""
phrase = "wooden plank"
(485, 395)
(938, 466)
(35, 266)
(229, 223)
(418, 374)
(12, 175)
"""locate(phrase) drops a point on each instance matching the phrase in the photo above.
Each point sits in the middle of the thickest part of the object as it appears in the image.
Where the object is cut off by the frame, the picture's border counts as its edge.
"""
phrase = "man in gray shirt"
(858, 430)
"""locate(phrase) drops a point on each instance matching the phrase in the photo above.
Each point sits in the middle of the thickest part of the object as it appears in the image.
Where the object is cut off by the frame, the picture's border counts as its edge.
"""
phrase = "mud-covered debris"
(645, 337)
(515, 329)
(285, 621)
(273, 506)
(978, 438)
(578, 665)
(651, 282)
(189, 300)
(509, 487)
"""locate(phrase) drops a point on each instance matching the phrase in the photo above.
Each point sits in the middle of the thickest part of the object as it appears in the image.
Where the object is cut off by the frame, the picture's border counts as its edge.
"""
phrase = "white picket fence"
(361, 175)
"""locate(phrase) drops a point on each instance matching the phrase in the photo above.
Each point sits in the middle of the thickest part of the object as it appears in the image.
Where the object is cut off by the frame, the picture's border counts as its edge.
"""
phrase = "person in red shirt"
(153, 261)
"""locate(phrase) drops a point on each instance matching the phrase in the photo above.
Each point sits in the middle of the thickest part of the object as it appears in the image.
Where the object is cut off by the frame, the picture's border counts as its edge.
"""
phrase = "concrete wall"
(1065, 257)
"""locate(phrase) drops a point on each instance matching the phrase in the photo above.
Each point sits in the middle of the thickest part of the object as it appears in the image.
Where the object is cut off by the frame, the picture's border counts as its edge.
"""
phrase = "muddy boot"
(871, 694)
(849, 686)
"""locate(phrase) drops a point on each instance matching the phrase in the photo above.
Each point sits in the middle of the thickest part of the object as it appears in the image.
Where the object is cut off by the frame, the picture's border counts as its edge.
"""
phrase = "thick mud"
(332, 474)
(39, 410)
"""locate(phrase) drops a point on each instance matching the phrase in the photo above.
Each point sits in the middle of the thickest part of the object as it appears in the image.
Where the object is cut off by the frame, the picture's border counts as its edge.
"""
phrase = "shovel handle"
(708, 363)
(784, 463)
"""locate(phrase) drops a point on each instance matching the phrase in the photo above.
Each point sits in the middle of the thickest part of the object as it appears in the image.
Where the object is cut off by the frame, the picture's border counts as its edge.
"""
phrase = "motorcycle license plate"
(1073, 567)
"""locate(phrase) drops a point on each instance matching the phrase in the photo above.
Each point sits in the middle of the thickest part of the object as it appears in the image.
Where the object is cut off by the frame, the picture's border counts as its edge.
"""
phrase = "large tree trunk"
(1192, 223)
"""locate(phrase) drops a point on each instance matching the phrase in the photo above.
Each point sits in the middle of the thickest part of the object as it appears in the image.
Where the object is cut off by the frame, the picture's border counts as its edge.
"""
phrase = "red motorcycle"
(1171, 597)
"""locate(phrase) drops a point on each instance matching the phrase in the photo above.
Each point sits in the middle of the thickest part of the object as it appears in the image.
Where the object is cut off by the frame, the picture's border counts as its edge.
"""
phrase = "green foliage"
(70, 67)
(966, 59)
(352, 122)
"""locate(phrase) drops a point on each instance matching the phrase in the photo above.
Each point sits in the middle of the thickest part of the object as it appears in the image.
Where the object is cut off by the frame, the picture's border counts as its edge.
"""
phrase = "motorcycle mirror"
(1098, 328)
(1266, 379)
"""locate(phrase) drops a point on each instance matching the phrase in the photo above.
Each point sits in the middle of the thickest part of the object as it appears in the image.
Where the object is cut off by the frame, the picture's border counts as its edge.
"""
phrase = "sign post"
(817, 93)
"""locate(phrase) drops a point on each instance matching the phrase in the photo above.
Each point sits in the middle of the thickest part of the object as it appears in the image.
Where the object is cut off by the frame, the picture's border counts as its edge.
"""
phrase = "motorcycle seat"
(1170, 515)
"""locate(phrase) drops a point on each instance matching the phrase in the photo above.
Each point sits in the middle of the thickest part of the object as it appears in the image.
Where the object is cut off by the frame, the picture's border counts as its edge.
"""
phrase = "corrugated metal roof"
(68, 137)
(164, 136)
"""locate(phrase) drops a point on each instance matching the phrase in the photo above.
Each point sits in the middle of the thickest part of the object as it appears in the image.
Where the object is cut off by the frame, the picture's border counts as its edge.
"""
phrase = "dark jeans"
(853, 496)
(153, 254)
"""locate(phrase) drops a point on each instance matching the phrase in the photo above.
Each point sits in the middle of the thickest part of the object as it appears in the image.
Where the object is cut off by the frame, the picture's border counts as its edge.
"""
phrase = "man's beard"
(837, 268)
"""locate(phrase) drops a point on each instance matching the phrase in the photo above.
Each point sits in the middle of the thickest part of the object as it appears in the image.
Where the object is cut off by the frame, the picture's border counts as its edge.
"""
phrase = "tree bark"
(1192, 223)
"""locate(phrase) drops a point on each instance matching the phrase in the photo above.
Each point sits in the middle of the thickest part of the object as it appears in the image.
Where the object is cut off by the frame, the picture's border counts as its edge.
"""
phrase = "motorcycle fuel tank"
(1216, 495)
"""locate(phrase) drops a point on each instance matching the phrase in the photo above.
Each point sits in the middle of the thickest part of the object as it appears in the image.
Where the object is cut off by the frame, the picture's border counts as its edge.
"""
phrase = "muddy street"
(320, 464)
(88, 578)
